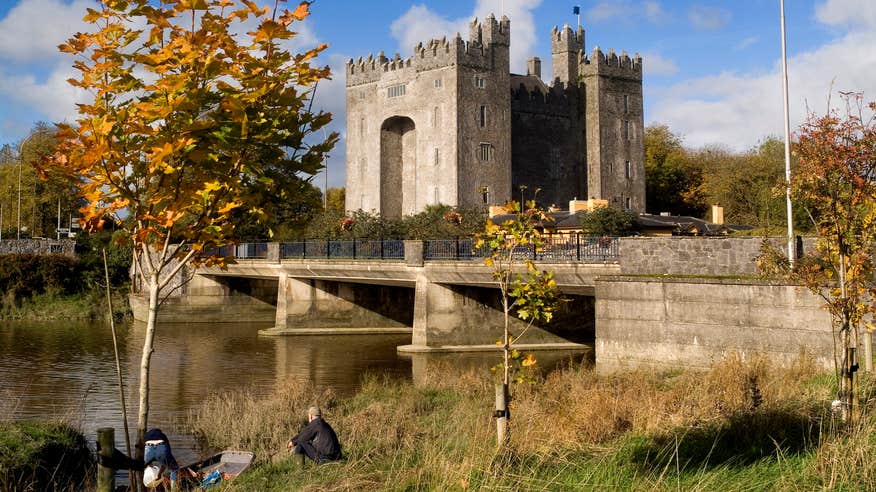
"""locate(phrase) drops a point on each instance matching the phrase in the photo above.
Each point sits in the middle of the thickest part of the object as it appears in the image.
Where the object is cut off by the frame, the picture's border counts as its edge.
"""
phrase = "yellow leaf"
(301, 11)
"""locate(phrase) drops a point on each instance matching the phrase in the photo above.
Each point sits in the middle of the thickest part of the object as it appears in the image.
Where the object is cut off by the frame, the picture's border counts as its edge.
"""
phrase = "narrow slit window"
(485, 152)
(438, 83)
(482, 116)
(629, 170)
(626, 103)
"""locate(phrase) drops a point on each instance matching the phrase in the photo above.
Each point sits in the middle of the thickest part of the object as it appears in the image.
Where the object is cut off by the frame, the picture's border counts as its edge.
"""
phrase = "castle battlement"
(555, 102)
(565, 39)
(612, 65)
(438, 53)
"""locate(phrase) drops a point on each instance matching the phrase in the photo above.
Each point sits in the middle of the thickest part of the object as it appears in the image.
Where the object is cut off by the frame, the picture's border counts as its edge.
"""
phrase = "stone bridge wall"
(696, 255)
(40, 247)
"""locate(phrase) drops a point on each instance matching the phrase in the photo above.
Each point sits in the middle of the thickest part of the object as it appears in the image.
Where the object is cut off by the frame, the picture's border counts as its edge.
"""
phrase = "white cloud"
(747, 42)
(33, 29)
(656, 64)
(847, 12)
(420, 24)
(654, 13)
(738, 109)
(709, 18)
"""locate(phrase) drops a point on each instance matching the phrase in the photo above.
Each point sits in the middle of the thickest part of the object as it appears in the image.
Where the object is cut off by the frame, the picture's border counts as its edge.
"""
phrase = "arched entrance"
(398, 159)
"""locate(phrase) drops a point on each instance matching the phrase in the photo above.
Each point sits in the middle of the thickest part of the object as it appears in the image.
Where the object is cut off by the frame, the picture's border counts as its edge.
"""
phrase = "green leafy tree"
(335, 198)
(673, 181)
(608, 221)
(531, 294)
(190, 124)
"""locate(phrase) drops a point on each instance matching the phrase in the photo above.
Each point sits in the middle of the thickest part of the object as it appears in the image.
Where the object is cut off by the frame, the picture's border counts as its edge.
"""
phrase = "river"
(67, 369)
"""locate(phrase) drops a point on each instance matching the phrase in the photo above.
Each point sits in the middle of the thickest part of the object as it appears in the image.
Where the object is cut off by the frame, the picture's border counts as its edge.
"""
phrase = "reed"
(742, 425)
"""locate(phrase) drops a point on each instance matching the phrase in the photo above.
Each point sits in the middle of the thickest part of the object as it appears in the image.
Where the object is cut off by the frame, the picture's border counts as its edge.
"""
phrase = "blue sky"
(712, 67)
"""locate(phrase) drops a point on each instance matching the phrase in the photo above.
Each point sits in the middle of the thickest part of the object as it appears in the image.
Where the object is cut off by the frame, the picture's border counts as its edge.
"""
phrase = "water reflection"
(67, 370)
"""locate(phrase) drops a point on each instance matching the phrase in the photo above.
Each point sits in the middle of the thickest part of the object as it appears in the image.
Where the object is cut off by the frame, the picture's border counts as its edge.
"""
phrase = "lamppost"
(792, 255)
(20, 165)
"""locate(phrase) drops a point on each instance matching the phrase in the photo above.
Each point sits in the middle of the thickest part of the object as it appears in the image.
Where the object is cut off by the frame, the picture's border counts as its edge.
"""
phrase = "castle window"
(482, 116)
(437, 161)
(627, 130)
(435, 195)
(480, 82)
(395, 91)
(485, 152)
(628, 203)
(436, 117)
(361, 127)
(556, 159)
(626, 103)
(437, 83)
(629, 170)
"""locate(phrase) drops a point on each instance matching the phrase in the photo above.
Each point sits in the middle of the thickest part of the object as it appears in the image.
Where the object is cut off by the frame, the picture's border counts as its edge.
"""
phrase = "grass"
(42, 307)
(43, 456)
(743, 425)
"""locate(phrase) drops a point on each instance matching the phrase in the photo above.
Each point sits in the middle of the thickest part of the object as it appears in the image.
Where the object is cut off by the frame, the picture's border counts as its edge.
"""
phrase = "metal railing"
(364, 249)
(557, 248)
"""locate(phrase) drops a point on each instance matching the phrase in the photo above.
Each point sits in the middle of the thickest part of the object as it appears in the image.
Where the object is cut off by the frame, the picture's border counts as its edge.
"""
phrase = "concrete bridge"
(439, 291)
(635, 299)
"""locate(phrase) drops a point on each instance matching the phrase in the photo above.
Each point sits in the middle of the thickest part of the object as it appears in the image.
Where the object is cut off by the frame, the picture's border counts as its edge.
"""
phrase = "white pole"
(792, 256)
(18, 231)
(325, 172)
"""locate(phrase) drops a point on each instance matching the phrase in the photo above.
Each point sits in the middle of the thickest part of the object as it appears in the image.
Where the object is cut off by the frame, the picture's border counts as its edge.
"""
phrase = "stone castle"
(452, 125)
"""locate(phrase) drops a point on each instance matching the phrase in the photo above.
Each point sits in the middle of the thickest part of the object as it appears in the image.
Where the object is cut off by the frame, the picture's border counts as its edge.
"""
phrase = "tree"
(531, 297)
(189, 125)
(608, 221)
(673, 181)
(837, 177)
(335, 198)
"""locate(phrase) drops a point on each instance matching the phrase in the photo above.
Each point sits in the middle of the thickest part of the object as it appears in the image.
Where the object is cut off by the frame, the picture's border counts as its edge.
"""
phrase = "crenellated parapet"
(438, 53)
(556, 101)
(611, 65)
(566, 40)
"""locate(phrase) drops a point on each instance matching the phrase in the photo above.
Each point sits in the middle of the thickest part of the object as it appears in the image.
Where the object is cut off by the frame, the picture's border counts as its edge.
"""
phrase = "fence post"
(456, 249)
(354, 248)
(328, 249)
(106, 476)
(578, 245)
(304, 249)
(381, 248)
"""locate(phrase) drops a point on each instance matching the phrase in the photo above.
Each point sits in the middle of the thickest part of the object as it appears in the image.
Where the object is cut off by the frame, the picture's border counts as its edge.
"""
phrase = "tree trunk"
(868, 351)
(847, 387)
(502, 414)
(145, 362)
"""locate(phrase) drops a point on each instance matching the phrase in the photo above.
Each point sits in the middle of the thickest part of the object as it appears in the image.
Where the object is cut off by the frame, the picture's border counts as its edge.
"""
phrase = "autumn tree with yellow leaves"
(199, 112)
(525, 291)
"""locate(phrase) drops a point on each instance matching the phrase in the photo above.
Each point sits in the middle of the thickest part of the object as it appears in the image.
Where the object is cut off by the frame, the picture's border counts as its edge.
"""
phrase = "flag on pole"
(576, 10)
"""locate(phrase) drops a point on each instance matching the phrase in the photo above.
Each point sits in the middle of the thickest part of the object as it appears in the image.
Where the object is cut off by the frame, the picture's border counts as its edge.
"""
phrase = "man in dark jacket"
(317, 440)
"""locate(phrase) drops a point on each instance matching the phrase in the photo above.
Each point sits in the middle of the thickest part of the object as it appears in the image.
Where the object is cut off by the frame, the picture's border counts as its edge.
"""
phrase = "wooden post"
(868, 351)
(501, 414)
(106, 477)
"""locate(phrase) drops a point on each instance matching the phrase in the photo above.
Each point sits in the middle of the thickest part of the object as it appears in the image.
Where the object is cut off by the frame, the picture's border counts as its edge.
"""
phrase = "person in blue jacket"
(317, 440)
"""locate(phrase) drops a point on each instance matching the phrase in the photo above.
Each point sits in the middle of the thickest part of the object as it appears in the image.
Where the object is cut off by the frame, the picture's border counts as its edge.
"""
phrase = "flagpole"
(792, 256)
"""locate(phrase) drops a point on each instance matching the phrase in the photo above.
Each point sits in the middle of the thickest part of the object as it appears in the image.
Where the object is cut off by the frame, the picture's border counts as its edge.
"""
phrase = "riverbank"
(84, 306)
(44, 455)
(739, 426)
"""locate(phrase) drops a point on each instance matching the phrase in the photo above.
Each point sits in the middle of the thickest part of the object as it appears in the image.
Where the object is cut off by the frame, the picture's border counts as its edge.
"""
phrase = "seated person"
(317, 440)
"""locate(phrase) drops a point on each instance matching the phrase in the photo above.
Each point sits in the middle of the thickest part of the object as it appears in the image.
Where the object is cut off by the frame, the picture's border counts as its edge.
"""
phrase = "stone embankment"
(40, 247)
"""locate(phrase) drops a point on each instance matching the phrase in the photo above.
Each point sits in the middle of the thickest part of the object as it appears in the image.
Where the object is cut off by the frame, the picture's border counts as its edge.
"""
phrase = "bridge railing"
(358, 249)
(555, 248)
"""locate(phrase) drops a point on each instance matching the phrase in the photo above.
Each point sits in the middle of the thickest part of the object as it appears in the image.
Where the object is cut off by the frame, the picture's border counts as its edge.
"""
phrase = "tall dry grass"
(749, 422)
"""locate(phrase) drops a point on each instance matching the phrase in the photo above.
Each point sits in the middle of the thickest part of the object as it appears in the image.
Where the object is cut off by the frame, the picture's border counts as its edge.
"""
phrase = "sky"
(712, 68)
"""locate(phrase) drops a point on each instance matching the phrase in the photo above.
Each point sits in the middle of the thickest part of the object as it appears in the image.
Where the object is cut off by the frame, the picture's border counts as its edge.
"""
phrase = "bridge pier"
(310, 306)
(453, 318)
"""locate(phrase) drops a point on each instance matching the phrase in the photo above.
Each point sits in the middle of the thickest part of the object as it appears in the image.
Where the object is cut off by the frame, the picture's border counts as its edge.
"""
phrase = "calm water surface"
(67, 369)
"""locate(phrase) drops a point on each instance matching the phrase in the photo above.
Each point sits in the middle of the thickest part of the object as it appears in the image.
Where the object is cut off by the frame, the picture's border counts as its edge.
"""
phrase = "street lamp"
(792, 255)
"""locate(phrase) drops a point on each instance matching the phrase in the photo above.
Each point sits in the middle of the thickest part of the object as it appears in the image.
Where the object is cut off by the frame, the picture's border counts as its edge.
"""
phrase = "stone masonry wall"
(64, 247)
(695, 255)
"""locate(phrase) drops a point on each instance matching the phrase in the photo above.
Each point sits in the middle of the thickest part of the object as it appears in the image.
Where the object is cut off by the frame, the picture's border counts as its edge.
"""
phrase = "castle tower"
(615, 129)
(566, 48)
(431, 128)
